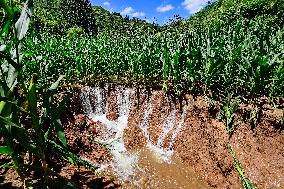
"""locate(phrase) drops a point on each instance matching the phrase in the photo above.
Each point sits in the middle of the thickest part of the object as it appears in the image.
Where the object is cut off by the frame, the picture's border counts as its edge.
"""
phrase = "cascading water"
(124, 163)
(164, 154)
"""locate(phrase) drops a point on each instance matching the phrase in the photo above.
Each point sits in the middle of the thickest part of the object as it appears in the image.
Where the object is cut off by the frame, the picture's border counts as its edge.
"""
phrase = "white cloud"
(194, 5)
(127, 10)
(131, 12)
(138, 14)
(165, 8)
(106, 4)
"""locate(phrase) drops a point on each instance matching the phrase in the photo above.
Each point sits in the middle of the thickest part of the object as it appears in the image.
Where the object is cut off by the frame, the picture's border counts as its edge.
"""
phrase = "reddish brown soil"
(112, 111)
(203, 144)
(261, 151)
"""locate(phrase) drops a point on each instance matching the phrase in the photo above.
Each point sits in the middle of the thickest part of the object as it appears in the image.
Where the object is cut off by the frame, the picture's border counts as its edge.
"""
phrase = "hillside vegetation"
(228, 12)
(229, 48)
(232, 51)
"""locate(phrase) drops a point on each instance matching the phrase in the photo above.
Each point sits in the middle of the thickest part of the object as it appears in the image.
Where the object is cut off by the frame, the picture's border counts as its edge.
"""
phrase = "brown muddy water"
(157, 174)
(163, 144)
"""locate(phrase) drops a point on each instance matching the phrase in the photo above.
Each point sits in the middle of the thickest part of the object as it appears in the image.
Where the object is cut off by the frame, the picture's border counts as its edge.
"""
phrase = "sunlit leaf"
(22, 24)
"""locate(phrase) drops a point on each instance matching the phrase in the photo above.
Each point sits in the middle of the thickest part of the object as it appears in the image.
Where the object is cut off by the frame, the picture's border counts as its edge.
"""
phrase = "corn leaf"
(22, 24)
(7, 9)
(6, 150)
(59, 131)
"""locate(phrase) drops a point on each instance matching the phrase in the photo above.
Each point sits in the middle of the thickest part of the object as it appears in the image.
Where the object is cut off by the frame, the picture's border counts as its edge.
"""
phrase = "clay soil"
(203, 144)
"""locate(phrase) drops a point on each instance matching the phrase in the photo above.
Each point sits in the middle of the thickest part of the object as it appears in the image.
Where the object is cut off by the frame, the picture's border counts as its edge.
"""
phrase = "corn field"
(243, 60)
(240, 59)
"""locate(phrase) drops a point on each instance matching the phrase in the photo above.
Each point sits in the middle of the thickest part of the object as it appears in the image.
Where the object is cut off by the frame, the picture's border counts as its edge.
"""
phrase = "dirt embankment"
(204, 145)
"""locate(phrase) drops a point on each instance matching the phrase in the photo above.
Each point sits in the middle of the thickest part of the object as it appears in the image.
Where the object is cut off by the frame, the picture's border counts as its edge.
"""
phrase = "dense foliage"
(114, 24)
(30, 123)
(61, 16)
(229, 49)
(238, 53)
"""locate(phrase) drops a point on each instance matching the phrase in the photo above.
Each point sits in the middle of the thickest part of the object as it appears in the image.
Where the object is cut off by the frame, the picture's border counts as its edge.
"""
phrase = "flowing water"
(153, 167)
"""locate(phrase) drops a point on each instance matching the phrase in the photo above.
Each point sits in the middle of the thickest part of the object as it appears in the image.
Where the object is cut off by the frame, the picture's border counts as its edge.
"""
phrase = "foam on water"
(168, 126)
(164, 154)
(126, 163)
(123, 163)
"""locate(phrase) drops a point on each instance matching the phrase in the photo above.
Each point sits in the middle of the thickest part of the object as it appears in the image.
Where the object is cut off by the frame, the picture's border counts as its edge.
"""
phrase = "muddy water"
(157, 174)
(153, 167)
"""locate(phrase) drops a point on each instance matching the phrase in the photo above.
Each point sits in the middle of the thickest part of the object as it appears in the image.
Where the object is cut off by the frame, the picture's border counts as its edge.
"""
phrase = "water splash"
(125, 164)
(98, 99)
(178, 129)
(161, 153)
(168, 126)
(145, 123)
(85, 100)
(95, 102)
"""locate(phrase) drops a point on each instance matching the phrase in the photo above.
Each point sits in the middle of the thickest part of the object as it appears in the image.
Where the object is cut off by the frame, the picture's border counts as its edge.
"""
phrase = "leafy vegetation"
(238, 55)
(247, 184)
(244, 61)
(28, 117)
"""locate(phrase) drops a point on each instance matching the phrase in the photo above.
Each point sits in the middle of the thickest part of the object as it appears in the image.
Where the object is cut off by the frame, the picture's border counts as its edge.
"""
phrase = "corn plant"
(243, 60)
(247, 183)
(15, 136)
(19, 136)
(229, 112)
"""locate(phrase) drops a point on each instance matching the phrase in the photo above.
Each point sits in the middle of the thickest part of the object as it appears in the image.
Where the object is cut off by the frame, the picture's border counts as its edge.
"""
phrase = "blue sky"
(158, 11)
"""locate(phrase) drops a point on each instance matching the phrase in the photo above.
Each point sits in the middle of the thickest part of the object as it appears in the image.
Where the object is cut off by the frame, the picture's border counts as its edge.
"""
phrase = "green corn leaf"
(247, 183)
(65, 153)
(6, 27)
(8, 121)
(47, 98)
(20, 135)
(22, 24)
(5, 99)
(32, 100)
(57, 112)
(59, 131)
(54, 86)
(7, 9)
(6, 150)
(47, 133)
(10, 60)
(32, 97)
(13, 103)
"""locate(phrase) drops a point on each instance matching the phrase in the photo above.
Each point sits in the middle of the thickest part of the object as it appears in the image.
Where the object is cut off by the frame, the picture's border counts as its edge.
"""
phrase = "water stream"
(155, 161)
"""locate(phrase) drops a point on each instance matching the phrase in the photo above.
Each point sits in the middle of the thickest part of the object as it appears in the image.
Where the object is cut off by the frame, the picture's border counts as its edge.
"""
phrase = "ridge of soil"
(203, 143)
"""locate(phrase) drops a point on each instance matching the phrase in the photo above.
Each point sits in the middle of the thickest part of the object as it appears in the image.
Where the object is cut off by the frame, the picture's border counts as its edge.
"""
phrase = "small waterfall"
(123, 100)
(98, 100)
(165, 154)
(168, 126)
(95, 100)
(178, 129)
(125, 164)
(85, 100)
(145, 123)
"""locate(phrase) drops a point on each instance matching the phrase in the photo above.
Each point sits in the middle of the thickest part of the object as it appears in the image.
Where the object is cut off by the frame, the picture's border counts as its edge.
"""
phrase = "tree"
(80, 13)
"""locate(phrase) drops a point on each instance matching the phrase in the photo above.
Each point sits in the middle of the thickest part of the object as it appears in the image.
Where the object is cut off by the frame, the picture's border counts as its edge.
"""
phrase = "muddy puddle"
(157, 174)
